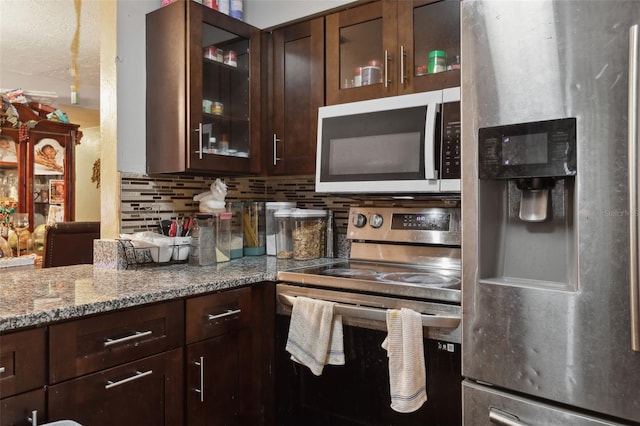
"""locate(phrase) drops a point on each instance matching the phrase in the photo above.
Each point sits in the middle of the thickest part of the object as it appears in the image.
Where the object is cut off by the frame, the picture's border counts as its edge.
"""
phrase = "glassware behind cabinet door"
(21, 224)
(5, 250)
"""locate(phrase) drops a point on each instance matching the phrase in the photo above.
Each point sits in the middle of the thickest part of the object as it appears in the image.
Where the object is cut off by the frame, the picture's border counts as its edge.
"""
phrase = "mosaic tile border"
(145, 200)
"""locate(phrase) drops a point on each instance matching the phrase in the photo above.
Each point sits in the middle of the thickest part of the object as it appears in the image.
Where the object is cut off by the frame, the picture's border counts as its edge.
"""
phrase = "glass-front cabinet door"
(51, 166)
(10, 169)
(392, 47)
(429, 45)
(223, 112)
(360, 44)
(203, 106)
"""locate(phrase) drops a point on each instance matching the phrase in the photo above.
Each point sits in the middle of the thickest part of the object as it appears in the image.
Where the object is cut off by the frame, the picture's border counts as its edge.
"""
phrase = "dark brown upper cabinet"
(203, 92)
(382, 49)
(298, 91)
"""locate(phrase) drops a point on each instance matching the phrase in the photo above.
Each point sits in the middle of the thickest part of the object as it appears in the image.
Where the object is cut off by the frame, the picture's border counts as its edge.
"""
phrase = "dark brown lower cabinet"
(148, 391)
(19, 410)
(213, 389)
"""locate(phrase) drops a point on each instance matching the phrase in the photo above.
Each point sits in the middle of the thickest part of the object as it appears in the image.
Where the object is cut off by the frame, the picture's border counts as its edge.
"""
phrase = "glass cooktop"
(423, 282)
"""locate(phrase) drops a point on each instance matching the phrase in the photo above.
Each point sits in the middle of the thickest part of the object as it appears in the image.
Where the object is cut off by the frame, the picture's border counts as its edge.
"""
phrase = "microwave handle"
(430, 171)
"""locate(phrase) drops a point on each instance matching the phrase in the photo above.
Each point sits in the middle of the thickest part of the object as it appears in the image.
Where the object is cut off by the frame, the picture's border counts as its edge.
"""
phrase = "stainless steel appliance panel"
(567, 344)
(484, 406)
(392, 145)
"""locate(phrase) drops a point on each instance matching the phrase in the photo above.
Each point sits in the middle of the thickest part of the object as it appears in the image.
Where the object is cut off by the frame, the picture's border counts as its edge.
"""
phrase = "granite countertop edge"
(41, 297)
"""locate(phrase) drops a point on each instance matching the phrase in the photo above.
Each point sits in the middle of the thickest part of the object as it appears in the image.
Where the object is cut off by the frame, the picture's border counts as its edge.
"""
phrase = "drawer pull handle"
(110, 384)
(136, 335)
(201, 390)
(2, 369)
(224, 314)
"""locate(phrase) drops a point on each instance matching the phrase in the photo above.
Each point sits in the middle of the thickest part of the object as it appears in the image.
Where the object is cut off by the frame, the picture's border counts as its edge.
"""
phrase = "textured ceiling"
(35, 47)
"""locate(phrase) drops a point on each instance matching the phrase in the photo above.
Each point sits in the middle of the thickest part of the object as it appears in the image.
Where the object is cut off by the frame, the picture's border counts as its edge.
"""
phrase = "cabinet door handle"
(136, 335)
(201, 389)
(403, 57)
(34, 418)
(199, 130)
(275, 149)
(387, 58)
(224, 314)
(2, 369)
(139, 375)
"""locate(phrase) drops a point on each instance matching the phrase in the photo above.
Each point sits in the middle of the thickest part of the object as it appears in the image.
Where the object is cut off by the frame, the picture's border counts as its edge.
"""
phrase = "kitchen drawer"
(148, 391)
(88, 345)
(22, 361)
(218, 313)
(18, 410)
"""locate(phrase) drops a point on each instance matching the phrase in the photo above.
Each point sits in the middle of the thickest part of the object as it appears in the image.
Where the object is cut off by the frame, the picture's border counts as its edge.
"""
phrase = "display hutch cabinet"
(298, 91)
(203, 92)
(37, 165)
(382, 49)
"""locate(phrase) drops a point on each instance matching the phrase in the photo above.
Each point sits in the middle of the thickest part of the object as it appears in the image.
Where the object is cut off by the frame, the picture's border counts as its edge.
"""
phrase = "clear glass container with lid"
(284, 241)
(223, 236)
(308, 233)
(253, 227)
(272, 230)
(203, 243)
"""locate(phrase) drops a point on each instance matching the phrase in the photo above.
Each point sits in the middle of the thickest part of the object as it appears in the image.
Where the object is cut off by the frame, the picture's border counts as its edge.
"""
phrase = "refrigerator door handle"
(633, 186)
(502, 418)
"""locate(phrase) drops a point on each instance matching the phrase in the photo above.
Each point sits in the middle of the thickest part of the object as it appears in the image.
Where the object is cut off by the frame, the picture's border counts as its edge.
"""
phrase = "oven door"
(357, 393)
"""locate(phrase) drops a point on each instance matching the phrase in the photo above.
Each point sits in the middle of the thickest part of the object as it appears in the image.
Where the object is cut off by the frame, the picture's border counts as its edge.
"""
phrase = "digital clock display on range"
(419, 221)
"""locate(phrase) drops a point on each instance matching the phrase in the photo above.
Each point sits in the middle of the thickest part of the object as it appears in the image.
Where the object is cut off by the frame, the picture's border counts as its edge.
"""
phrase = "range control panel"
(432, 225)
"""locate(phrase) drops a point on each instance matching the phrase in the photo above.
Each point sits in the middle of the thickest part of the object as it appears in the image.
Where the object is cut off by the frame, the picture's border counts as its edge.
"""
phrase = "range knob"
(359, 220)
(376, 220)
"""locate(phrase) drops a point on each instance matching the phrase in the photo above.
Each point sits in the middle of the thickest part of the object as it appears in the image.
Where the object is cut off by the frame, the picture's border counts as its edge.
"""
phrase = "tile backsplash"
(146, 200)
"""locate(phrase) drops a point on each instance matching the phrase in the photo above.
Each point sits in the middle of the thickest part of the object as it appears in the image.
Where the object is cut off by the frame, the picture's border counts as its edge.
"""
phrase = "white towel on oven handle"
(407, 372)
(315, 334)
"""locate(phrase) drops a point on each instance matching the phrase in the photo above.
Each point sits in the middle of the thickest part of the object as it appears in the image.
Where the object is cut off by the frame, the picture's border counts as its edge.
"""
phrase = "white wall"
(131, 69)
(269, 13)
(131, 83)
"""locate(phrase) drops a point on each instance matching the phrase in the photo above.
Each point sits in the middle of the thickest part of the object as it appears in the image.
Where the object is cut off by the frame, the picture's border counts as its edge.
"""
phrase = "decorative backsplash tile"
(145, 200)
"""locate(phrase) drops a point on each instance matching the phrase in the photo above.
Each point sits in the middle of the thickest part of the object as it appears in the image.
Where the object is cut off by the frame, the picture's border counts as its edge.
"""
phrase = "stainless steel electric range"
(400, 257)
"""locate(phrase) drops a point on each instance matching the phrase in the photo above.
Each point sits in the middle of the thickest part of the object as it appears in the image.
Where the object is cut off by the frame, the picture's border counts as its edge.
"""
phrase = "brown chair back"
(69, 243)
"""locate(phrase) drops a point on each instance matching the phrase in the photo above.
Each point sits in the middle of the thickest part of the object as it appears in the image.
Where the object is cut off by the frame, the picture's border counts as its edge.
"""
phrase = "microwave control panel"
(451, 140)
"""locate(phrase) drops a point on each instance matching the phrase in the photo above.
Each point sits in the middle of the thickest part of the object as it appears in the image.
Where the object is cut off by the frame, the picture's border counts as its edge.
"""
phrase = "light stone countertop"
(40, 296)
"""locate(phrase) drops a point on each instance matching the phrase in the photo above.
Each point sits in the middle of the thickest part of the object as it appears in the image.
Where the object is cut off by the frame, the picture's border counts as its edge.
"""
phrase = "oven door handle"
(376, 314)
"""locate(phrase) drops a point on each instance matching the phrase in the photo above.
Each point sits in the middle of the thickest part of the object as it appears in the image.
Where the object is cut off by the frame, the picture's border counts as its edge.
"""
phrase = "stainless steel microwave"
(395, 145)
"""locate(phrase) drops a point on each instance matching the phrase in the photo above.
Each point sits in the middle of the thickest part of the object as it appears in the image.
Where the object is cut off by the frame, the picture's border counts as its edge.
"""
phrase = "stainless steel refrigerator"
(550, 236)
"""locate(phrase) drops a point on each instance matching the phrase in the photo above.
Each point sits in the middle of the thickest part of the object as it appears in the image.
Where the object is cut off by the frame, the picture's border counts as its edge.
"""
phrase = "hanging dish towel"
(315, 334)
(407, 373)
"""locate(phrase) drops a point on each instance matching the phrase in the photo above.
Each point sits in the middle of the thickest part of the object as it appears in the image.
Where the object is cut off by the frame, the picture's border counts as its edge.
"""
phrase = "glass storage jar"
(253, 224)
(272, 230)
(308, 233)
(284, 241)
(223, 236)
(203, 243)
(236, 210)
